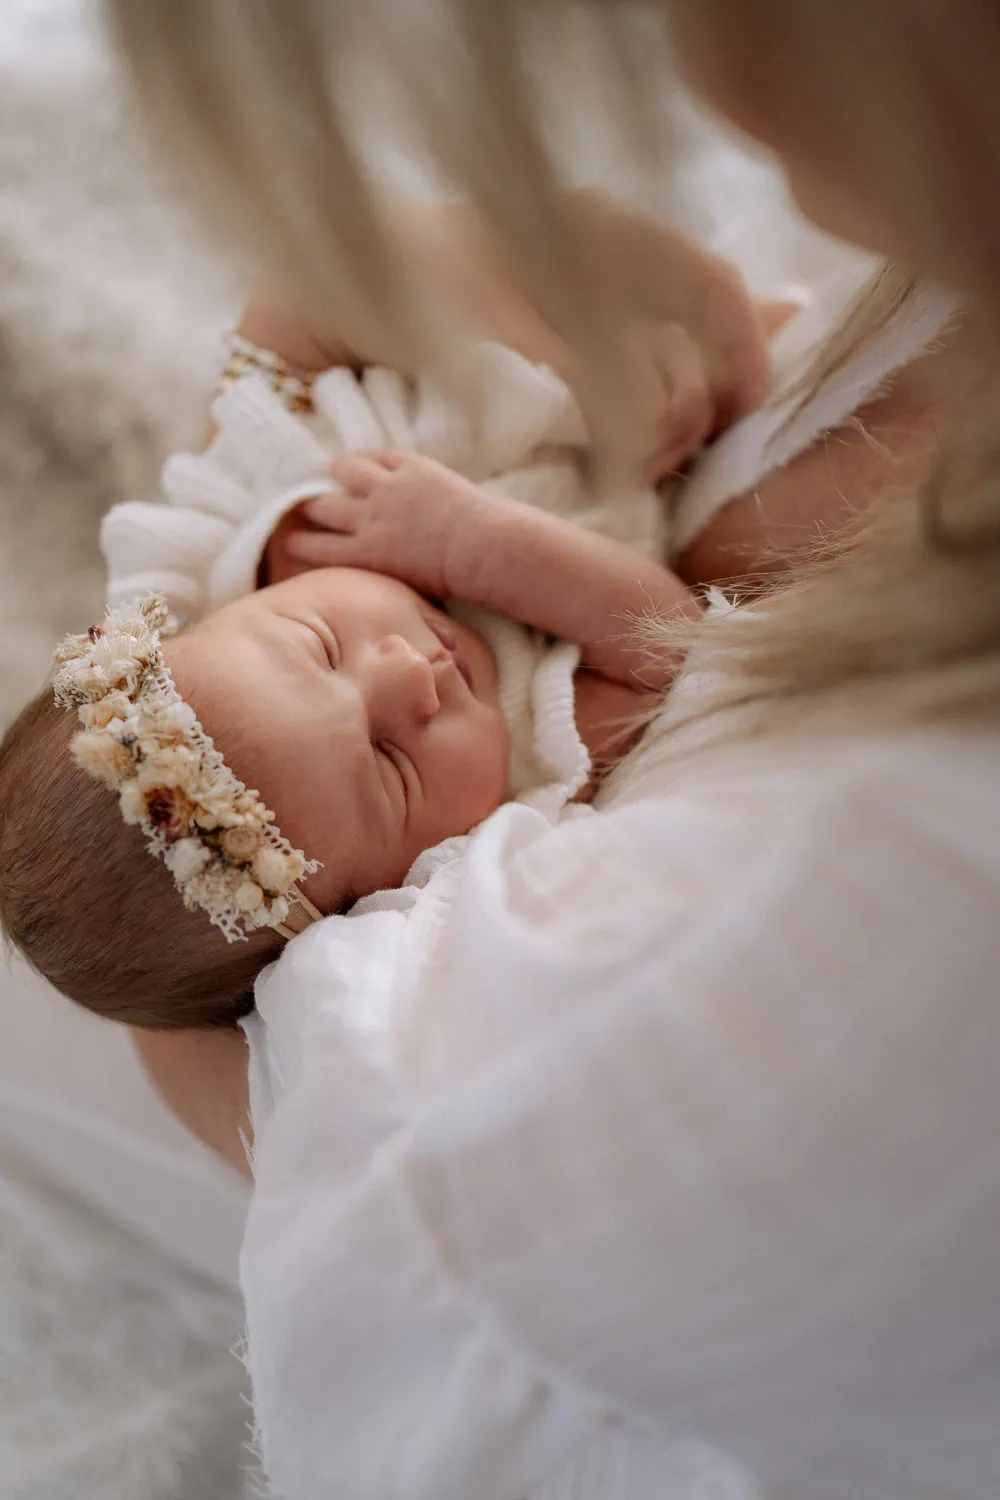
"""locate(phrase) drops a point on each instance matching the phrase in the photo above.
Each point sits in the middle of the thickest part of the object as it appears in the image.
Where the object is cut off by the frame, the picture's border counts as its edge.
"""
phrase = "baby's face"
(365, 717)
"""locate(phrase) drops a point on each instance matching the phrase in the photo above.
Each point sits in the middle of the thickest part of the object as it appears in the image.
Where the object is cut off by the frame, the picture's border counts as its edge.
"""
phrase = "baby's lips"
(444, 633)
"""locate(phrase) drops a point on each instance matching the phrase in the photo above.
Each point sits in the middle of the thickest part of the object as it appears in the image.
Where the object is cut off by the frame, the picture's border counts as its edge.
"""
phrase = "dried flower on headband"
(142, 740)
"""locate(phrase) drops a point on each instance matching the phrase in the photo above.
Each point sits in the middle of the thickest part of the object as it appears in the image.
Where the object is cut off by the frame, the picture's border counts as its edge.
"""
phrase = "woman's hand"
(701, 339)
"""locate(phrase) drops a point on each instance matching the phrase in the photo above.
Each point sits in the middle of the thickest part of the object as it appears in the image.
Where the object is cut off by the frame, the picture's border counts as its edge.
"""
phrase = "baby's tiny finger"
(357, 473)
(320, 549)
(332, 512)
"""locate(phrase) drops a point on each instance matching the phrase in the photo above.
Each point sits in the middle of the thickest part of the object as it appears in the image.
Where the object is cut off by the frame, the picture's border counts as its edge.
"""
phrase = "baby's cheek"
(490, 765)
(474, 774)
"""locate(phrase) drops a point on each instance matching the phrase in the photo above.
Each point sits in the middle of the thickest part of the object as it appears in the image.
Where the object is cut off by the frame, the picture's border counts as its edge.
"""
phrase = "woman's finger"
(775, 312)
(688, 415)
(678, 282)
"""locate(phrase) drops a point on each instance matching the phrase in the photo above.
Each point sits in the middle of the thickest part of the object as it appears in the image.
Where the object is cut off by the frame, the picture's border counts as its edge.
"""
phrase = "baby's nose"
(403, 683)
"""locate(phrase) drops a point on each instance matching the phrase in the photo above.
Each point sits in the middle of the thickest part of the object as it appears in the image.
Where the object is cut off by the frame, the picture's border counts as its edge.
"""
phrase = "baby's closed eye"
(400, 769)
(330, 644)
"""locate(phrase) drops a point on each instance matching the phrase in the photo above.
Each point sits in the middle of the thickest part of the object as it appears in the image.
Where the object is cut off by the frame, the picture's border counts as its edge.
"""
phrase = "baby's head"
(366, 717)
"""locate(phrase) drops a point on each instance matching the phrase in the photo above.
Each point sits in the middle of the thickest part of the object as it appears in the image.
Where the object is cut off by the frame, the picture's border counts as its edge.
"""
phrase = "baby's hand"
(395, 513)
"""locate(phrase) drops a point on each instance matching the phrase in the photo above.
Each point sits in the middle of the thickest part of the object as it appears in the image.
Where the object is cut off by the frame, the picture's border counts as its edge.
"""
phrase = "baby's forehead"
(259, 682)
(324, 589)
(236, 636)
(234, 671)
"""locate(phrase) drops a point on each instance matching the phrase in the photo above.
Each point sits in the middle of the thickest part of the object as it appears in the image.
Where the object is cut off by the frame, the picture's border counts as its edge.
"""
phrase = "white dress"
(679, 1122)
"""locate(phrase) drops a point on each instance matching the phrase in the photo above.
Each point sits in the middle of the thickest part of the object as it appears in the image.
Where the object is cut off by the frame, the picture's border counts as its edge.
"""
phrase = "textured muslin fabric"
(677, 1119)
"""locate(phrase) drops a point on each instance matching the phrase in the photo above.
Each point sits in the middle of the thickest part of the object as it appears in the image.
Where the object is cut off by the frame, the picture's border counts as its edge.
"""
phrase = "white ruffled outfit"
(518, 432)
(649, 1123)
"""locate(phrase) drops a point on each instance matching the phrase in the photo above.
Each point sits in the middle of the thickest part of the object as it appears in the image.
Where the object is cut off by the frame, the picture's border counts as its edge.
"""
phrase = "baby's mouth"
(449, 641)
(463, 668)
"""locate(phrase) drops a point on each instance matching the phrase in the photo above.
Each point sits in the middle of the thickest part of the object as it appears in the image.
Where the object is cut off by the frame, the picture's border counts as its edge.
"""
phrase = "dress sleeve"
(657, 1118)
(770, 439)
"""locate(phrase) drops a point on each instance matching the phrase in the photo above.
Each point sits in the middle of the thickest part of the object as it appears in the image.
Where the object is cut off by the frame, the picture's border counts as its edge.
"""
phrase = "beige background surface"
(118, 1238)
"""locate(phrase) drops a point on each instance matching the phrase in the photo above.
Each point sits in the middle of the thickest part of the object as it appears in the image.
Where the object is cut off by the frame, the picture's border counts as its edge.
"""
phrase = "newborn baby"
(369, 719)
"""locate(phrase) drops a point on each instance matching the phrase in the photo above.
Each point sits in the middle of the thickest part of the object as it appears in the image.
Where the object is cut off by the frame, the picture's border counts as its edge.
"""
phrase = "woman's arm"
(695, 327)
(202, 1077)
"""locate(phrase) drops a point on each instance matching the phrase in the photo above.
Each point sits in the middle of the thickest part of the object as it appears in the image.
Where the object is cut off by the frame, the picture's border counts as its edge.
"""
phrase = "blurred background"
(119, 1237)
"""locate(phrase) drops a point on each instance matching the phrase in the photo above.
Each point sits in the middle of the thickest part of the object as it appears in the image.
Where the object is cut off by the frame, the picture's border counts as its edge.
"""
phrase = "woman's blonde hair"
(253, 100)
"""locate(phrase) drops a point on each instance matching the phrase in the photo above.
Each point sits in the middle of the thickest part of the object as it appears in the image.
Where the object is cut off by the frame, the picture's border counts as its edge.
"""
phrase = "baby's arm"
(418, 521)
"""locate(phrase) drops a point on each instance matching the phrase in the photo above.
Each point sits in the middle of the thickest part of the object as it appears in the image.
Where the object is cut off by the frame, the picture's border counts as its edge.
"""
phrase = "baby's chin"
(499, 760)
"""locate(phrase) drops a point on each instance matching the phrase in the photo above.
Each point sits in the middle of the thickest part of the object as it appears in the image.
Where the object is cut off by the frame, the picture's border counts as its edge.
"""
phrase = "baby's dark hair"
(87, 905)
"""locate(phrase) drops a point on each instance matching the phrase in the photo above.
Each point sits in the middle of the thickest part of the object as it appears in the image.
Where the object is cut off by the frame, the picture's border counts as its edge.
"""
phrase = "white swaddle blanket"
(332, 1264)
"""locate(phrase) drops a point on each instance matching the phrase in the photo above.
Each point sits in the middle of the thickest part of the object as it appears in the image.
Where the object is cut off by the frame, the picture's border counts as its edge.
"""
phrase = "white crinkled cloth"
(524, 1215)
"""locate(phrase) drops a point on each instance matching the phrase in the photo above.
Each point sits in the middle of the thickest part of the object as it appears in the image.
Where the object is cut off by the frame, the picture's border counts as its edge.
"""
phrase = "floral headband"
(142, 740)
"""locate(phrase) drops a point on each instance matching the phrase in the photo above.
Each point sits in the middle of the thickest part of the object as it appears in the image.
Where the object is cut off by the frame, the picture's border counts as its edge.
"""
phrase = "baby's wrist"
(484, 543)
